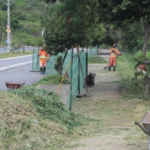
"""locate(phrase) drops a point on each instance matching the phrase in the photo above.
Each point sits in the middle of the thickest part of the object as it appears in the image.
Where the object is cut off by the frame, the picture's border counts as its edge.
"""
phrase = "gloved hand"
(47, 60)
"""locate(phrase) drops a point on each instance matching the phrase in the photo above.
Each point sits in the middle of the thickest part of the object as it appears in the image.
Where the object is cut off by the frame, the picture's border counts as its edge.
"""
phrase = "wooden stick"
(63, 77)
(81, 67)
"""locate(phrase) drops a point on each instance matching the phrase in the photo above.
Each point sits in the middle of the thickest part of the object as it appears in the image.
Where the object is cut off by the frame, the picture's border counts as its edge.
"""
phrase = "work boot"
(114, 68)
(41, 70)
(44, 69)
(109, 69)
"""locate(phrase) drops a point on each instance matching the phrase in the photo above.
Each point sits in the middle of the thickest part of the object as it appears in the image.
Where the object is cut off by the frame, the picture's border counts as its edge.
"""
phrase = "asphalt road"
(20, 74)
(13, 61)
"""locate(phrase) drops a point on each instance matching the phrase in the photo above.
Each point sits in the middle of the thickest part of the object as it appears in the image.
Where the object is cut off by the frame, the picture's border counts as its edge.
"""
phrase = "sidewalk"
(111, 125)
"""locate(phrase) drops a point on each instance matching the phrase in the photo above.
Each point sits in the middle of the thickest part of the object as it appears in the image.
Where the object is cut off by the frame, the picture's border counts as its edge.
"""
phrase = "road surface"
(20, 74)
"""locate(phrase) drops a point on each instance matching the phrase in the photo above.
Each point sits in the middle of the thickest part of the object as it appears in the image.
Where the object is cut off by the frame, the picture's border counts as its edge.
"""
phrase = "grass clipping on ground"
(96, 60)
(33, 119)
(52, 80)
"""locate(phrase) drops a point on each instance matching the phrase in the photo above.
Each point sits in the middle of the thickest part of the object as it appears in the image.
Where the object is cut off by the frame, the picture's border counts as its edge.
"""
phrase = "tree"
(69, 24)
(123, 12)
(56, 39)
(97, 34)
(23, 39)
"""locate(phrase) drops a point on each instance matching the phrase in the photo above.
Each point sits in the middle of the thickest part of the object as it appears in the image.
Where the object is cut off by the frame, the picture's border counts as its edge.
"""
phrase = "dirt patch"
(111, 117)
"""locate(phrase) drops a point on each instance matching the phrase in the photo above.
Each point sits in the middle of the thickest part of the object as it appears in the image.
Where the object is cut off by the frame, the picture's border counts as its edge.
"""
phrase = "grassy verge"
(126, 69)
(96, 60)
(52, 80)
(16, 54)
(111, 119)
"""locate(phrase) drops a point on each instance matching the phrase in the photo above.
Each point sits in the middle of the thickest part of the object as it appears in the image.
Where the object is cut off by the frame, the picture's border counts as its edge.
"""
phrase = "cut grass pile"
(34, 119)
(52, 80)
(96, 60)
(48, 104)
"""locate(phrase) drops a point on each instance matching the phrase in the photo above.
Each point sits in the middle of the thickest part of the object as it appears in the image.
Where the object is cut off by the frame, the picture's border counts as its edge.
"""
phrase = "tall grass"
(126, 69)
(126, 66)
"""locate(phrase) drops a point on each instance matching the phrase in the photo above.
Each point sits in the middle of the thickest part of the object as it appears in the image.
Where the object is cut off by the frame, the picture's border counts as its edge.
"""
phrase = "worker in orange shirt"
(113, 54)
(44, 58)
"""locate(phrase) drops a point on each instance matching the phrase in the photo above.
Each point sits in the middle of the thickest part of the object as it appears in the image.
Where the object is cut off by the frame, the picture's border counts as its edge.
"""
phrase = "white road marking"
(15, 66)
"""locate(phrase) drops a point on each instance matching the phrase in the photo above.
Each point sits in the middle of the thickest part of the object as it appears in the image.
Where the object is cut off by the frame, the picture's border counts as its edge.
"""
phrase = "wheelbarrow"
(14, 85)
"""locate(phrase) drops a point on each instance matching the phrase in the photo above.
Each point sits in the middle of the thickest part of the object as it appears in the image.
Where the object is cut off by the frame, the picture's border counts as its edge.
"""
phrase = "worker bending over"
(44, 58)
(113, 54)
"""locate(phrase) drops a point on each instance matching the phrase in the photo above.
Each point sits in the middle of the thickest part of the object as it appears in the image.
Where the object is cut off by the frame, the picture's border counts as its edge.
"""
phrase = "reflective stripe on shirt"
(43, 57)
(112, 54)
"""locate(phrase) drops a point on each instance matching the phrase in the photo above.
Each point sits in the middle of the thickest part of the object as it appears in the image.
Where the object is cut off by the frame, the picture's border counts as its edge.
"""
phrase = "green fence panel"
(35, 61)
(92, 51)
(77, 79)
(83, 63)
(49, 66)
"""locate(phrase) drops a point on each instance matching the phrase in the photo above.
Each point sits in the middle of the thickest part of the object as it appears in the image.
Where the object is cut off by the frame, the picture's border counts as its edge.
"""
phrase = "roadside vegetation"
(96, 60)
(26, 28)
(38, 120)
(133, 83)
(52, 80)
(35, 119)
(10, 54)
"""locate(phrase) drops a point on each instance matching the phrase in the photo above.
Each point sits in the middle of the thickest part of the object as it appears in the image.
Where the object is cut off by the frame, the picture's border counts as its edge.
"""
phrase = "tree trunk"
(124, 47)
(65, 56)
(146, 85)
(146, 36)
(23, 48)
(146, 25)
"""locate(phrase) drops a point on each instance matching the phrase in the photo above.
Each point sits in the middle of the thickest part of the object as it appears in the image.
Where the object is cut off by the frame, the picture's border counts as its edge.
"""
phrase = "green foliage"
(56, 38)
(53, 80)
(132, 37)
(121, 13)
(96, 59)
(97, 33)
(132, 85)
(70, 23)
(59, 64)
(139, 56)
(140, 77)
(126, 69)
(20, 14)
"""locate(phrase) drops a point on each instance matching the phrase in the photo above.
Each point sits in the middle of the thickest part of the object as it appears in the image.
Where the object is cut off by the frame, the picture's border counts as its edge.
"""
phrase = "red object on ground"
(14, 85)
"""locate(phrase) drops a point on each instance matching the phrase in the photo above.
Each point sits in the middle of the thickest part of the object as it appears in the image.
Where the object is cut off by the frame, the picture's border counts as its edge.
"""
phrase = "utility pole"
(8, 41)
(8, 23)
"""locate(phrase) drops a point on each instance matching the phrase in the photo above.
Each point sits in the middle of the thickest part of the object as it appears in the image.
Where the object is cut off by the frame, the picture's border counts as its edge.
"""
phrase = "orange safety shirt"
(114, 52)
(43, 54)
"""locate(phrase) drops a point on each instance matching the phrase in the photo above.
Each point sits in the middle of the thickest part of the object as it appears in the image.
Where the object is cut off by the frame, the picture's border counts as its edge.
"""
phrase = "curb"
(14, 66)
